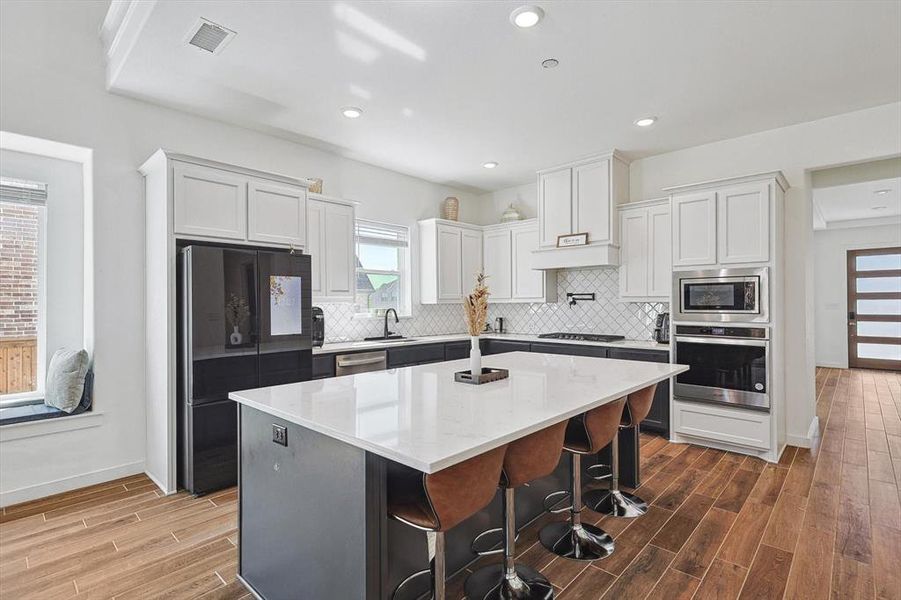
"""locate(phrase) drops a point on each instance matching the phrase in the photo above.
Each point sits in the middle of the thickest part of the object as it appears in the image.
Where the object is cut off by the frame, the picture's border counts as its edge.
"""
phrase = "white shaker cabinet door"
(471, 258)
(633, 269)
(554, 206)
(315, 246)
(528, 284)
(498, 263)
(209, 202)
(660, 251)
(743, 230)
(592, 208)
(340, 268)
(277, 214)
(450, 264)
(694, 229)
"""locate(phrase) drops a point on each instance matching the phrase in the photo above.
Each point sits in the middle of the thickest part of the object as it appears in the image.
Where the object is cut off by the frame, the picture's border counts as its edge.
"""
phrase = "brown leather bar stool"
(615, 502)
(585, 434)
(527, 459)
(439, 501)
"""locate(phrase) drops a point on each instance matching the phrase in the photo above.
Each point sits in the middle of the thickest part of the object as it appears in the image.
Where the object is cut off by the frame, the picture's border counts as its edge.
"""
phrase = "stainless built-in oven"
(728, 365)
(724, 295)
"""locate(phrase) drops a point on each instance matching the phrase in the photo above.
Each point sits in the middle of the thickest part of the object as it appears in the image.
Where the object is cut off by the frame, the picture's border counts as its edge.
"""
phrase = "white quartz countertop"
(335, 347)
(420, 417)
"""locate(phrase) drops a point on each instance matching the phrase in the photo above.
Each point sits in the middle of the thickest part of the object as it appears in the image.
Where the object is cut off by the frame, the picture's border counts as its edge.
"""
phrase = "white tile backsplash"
(607, 314)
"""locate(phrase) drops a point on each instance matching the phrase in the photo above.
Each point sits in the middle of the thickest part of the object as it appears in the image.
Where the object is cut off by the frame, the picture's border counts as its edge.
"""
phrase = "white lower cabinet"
(646, 268)
(452, 254)
(330, 243)
(736, 426)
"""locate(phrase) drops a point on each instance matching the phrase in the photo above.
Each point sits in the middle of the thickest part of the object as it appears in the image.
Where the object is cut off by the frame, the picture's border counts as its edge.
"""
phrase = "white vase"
(475, 356)
(235, 338)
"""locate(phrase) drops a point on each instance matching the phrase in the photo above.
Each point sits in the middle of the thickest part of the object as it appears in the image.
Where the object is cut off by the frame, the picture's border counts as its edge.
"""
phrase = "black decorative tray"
(486, 376)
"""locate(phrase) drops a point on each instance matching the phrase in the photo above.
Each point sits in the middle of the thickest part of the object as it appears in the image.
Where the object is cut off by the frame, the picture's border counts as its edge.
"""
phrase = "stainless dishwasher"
(361, 362)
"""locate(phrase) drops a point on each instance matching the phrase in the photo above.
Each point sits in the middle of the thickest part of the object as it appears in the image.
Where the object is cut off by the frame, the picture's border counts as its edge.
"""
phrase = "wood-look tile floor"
(825, 522)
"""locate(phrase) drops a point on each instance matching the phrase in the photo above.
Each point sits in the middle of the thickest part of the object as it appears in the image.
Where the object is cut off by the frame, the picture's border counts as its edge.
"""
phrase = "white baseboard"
(829, 365)
(33, 492)
(163, 489)
(805, 441)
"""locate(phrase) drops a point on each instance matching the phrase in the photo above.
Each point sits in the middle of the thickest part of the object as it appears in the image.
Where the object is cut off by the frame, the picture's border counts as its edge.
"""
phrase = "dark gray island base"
(313, 522)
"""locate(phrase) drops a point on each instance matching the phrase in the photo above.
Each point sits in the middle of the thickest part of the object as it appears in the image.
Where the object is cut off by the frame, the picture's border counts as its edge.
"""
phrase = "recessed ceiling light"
(550, 63)
(526, 16)
(881, 192)
(646, 121)
(490, 165)
(352, 112)
(880, 207)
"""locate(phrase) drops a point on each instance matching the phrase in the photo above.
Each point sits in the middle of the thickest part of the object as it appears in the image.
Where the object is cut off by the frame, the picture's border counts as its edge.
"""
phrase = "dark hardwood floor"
(825, 522)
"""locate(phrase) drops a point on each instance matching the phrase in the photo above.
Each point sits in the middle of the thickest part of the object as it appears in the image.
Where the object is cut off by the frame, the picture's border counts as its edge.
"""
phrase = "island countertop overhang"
(420, 417)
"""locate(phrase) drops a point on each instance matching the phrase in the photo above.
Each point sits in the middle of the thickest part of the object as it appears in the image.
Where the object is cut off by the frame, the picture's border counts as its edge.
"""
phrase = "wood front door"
(874, 308)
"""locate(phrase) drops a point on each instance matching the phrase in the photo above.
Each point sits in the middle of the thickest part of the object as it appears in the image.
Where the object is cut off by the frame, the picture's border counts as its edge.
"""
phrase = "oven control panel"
(727, 332)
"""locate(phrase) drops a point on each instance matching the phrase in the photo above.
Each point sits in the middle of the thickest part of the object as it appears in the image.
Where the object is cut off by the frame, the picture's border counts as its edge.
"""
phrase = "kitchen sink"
(384, 341)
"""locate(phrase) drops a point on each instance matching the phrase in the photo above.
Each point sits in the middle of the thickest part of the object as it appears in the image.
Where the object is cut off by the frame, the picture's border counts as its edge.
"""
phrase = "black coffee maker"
(318, 327)
(661, 328)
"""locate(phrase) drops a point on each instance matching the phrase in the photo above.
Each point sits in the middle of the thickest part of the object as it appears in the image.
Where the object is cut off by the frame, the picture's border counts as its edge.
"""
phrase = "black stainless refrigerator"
(244, 321)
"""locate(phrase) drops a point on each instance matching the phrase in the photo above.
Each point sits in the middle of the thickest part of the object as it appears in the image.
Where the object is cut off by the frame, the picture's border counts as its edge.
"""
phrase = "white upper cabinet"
(209, 202)
(592, 206)
(450, 263)
(529, 285)
(470, 258)
(633, 270)
(554, 206)
(660, 251)
(452, 254)
(276, 213)
(694, 229)
(743, 223)
(646, 268)
(498, 262)
(330, 242)
(581, 198)
(726, 222)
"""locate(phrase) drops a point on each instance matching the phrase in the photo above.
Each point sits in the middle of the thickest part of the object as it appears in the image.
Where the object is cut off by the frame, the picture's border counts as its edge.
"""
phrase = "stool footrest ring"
(605, 472)
(409, 578)
(498, 550)
(549, 502)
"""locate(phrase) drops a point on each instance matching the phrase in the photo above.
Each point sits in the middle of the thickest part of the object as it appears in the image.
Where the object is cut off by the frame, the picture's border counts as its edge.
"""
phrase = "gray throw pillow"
(65, 379)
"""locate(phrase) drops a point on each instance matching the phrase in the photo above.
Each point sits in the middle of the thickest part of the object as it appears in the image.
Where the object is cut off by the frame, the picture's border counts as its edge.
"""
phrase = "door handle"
(852, 317)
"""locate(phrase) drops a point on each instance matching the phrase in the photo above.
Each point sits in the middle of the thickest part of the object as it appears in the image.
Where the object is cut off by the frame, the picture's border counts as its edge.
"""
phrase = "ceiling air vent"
(208, 36)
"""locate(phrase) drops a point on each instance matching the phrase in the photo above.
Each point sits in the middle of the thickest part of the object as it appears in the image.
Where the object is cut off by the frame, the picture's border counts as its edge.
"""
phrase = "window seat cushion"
(40, 412)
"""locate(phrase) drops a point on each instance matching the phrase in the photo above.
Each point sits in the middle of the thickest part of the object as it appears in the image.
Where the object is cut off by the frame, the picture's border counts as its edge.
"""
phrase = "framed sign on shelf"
(572, 239)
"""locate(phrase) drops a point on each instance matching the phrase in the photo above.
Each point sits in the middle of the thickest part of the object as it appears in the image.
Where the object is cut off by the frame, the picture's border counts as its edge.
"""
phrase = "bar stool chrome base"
(616, 503)
(583, 542)
(491, 583)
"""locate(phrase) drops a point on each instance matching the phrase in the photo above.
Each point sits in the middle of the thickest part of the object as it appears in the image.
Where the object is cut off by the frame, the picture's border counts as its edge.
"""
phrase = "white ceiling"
(841, 205)
(446, 86)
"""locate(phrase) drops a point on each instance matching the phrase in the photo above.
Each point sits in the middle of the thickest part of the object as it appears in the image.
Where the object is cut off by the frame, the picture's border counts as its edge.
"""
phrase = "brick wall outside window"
(18, 270)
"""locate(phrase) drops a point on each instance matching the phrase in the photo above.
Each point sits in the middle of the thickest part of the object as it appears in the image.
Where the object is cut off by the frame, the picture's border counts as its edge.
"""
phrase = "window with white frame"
(383, 267)
(23, 219)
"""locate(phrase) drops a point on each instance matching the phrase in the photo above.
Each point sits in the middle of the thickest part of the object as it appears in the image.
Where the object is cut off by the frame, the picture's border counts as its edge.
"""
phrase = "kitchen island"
(314, 457)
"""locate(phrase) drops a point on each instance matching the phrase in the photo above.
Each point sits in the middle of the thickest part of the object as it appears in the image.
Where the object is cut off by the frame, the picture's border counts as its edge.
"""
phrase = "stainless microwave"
(722, 295)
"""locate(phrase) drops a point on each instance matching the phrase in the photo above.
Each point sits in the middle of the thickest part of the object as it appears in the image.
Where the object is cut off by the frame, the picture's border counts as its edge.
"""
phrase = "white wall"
(831, 285)
(852, 137)
(52, 86)
(491, 206)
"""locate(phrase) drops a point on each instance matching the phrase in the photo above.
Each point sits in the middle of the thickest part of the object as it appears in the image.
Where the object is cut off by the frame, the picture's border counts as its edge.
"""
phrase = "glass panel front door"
(874, 308)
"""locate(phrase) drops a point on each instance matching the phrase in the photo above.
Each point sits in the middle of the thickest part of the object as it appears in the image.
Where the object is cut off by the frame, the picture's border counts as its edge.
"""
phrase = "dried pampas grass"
(476, 306)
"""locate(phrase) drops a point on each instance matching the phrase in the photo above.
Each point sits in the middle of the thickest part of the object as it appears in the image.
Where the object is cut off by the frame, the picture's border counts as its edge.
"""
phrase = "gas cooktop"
(583, 337)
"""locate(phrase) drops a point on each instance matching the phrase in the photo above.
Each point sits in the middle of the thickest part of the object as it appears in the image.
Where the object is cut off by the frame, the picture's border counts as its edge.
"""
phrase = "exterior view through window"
(874, 308)
(22, 225)
(382, 260)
